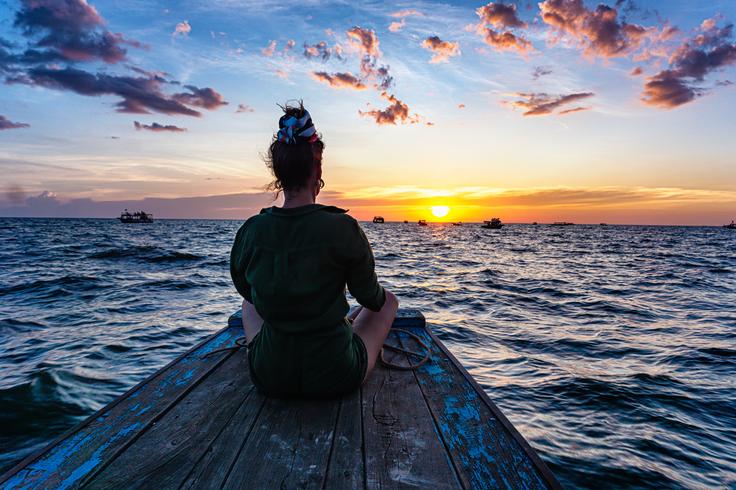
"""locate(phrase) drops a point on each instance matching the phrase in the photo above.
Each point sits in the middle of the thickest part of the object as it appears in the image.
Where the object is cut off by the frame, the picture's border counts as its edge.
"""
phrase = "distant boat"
(603, 224)
(406, 221)
(422, 222)
(535, 223)
(457, 223)
(731, 226)
(494, 224)
(378, 219)
(137, 217)
(562, 223)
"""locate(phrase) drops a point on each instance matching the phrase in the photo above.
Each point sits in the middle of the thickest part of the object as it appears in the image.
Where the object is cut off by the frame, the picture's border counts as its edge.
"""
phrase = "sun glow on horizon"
(440, 211)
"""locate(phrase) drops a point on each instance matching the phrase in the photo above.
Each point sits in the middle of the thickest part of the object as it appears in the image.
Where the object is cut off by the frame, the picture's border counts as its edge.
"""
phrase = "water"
(611, 349)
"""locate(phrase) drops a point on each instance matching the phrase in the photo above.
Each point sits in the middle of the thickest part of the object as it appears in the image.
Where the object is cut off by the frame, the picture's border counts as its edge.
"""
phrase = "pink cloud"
(396, 112)
(442, 50)
(339, 80)
(182, 29)
(541, 104)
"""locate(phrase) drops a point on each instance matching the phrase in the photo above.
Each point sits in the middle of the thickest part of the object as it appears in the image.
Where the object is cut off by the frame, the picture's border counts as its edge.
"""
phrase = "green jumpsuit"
(292, 265)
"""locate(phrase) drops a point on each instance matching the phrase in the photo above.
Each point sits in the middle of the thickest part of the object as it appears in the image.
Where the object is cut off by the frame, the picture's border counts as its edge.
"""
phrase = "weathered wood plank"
(345, 467)
(402, 446)
(212, 469)
(288, 446)
(165, 454)
(67, 461)
(480, 444)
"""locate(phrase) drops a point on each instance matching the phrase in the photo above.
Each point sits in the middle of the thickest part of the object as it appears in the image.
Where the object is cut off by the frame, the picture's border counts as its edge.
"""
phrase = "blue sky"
(464, 138)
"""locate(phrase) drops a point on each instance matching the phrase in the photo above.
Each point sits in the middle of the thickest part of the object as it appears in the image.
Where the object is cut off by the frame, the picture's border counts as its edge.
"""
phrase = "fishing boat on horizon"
(457, 223)
(493, 224)
(731, 226)
(378, 219)
(422, 222)
(136, 217)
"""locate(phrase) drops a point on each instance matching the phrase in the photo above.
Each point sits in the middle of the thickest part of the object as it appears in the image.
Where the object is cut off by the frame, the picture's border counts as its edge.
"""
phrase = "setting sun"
(440, 211)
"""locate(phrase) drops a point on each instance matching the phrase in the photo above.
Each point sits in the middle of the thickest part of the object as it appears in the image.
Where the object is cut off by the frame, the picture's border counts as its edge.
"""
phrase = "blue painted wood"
(440, 402)
(485, 447)
(70, 459)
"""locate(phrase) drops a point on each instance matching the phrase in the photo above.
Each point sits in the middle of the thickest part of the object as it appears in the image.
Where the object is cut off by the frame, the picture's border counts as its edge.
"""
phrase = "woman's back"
(293, 264)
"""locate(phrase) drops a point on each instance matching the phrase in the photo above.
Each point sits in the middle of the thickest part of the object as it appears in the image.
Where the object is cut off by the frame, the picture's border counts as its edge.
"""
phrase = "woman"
(291, 264)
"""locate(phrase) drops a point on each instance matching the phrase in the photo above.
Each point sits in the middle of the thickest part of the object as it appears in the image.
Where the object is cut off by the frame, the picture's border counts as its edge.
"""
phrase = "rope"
(400, 367)
(242, 342)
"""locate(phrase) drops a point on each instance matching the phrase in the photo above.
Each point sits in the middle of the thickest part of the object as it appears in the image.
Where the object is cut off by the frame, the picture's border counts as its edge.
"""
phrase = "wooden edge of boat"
(406, 319)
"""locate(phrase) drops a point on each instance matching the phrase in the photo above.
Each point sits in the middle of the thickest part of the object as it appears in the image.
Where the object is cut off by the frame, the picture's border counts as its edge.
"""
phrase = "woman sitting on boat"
(291, 264)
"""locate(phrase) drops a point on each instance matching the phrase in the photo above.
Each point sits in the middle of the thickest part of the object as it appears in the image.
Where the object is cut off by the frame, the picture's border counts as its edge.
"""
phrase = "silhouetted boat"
(562, 223)
(494, 224)
(378, 219)
(731, 226)
(422, 222)
(137, 217)
(535, 223)
(406, 221)
(603, 224)
(458, 223)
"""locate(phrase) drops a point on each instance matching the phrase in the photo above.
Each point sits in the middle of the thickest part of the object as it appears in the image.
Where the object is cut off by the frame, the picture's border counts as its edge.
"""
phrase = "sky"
(559, 110)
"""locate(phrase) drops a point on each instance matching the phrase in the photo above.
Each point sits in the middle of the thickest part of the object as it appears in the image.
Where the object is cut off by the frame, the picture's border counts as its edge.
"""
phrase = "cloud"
(540, 104)
(339, 80)
(407, 13)
(269, 50)
(574, 109)
(502, 17)
(206, 98)
(68, 30)
(322, 50)
(364, 40)
(636, 71)
(396, 26)
(540, 71)
(182, 29)
(708, 51)
(244, 108)
(283, 74)
(442, 50)
(396, 112)
(5, 123)
(140, 95)
(62, 33)
(599, 31)
(506, 41)
(158, 127)
(461, 106)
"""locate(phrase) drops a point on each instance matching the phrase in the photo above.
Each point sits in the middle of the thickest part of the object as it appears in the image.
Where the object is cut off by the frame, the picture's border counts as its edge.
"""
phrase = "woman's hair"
(292, 159)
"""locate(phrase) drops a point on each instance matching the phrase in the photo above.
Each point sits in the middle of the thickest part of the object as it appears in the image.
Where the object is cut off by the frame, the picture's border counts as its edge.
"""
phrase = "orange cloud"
(502, 17)
(397, 111)
(339, 80)
(540, 104)
(442, 50)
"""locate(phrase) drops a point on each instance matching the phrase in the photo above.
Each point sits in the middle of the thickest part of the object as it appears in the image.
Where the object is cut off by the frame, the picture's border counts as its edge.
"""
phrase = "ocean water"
(612, 349)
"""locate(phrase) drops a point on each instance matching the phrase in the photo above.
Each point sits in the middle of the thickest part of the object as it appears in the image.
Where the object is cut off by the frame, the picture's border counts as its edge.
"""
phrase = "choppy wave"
(610, 348)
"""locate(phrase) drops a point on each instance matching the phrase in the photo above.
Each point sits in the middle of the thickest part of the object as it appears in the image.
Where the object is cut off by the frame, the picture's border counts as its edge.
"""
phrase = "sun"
(440, 211)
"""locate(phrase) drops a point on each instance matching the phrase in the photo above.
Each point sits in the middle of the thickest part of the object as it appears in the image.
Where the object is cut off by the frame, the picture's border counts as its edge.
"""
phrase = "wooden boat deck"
(200, 423)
